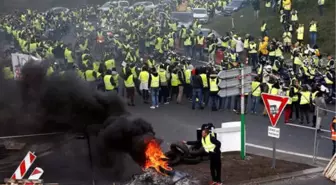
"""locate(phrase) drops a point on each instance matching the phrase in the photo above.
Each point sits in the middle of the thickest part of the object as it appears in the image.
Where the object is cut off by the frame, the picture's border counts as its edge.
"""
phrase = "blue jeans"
(155, 96)
(197, 93)
(188, 51)
(255, 103)
(313, 37)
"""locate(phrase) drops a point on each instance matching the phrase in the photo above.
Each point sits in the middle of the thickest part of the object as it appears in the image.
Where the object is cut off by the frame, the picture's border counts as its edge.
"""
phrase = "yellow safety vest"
(187, 74)
(144, 76)
(155, 81)
(89, 75)
(107, 82)
(278, 52)
(116, 79)
(295, 97)
(313, 28)
(8, 74)
(129, 82)
(163, 77)
(207, 144)
(263, 27)
(274, 91)
(289, 98)
(32, 47)
(68, 55)
(109, 64)
(204, 80)
(187, 42)
(314, 95)
(246, 43)
(213, 85)
(287, 37)
(174, 80)
(294, 17)
(255, 86)
(159, 43)
(200, 40)
(300, 33)
(305, 98)
(253, 48)
(268, 4)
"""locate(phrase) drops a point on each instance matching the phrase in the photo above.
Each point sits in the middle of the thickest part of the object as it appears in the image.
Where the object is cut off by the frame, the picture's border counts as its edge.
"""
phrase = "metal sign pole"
(315, 136)
(242, 115)
(274, 152)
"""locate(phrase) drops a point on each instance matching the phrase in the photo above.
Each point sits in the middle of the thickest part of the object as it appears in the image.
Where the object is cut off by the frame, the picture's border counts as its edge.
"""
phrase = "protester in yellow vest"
(213, 91)
(154, 83)
(144, 77)
(313, 32)
(256, 93)
(130, 87)
(305, 102)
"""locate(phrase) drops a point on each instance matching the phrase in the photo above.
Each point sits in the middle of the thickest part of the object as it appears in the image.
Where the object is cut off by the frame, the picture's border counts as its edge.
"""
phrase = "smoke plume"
(66, 103)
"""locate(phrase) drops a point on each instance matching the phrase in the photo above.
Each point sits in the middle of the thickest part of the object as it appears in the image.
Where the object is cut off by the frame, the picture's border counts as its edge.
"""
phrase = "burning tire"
(192, 160)
(173, 158)
(180, 148)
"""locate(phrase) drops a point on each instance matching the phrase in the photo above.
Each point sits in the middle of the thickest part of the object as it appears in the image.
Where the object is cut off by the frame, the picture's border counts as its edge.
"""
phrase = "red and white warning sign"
(274, 106)
(36, 174)
(24, 166)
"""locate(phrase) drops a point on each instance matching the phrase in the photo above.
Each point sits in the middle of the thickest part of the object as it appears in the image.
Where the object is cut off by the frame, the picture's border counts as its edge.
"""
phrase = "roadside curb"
(281, 176)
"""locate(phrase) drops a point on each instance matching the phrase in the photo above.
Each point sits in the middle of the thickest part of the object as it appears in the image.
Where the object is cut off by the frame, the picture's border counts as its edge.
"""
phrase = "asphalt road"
(70, 164)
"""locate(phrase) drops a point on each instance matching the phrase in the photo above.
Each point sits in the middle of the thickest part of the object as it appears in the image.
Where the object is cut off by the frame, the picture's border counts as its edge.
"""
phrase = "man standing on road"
(212, 146)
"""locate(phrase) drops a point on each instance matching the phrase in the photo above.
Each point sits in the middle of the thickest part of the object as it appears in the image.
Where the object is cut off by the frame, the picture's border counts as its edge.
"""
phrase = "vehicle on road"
(57, 10)
(183, 18)
(148, 5)
(201, 14)
(234, 6)
(114, 4)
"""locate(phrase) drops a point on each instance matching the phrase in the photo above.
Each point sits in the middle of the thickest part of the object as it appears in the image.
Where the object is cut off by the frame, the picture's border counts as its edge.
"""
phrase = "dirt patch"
(236, 170)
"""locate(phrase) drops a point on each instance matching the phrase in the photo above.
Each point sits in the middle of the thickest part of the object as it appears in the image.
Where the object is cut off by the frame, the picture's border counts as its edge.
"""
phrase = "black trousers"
(163, 94)
(296, 106)
(215, 166)
(334, 146)
(304, 113)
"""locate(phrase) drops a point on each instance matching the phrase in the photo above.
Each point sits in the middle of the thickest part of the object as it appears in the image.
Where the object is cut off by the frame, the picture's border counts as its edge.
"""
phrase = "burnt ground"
(235, 170)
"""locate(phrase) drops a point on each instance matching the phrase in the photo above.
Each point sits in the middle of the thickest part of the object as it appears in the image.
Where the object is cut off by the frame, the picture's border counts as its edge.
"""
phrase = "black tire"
(173, 158)
(192, 160)
(197, 152)
(181, 148)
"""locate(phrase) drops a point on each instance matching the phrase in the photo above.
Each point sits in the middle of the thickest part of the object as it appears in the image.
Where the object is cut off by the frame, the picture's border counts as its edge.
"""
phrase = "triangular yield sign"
(274, 106)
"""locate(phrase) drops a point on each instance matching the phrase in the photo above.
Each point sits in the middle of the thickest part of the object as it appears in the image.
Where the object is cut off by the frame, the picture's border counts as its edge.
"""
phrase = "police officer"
(212, 146)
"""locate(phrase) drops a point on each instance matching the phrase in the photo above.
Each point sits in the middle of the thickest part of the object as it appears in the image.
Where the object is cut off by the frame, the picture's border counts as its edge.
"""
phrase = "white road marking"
(286, 152)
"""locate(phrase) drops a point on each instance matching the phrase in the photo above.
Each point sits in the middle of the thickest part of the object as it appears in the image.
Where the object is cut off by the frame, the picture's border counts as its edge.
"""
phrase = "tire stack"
(180, 153)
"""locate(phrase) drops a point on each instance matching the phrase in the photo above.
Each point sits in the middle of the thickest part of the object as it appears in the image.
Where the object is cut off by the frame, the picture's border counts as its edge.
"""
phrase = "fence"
(317, 136)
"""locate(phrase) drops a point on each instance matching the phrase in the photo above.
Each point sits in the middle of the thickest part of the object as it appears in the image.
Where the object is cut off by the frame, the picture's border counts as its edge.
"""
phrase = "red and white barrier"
(24, 166)
(36, 174)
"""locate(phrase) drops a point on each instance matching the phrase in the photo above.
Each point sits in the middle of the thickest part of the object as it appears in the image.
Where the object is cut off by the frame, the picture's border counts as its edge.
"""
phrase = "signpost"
(274, 106)
(237, 82)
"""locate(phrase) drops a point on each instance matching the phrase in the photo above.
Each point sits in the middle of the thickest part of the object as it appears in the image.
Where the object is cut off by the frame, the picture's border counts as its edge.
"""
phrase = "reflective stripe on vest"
(207, 144)
(155, 81)
(107, 82)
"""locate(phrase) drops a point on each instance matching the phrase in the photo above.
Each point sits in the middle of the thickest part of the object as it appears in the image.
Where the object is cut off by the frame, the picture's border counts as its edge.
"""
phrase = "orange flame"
(155, 157)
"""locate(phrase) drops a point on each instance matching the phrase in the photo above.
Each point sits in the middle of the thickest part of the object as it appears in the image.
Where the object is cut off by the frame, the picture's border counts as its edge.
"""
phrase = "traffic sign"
(274, 132)
(274, 106)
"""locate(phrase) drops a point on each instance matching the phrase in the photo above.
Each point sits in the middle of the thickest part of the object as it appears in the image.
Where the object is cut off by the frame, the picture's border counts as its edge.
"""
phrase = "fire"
(155, 157)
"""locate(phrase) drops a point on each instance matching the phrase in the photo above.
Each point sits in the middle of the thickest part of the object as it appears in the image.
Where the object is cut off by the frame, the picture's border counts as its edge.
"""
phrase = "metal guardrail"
(31, 135)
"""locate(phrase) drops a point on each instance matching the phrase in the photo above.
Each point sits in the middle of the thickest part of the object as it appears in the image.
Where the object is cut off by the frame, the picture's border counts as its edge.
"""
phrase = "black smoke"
(65, 103)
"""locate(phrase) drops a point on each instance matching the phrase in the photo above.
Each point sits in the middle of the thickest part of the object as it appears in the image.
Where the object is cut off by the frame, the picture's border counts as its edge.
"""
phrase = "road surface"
(70, 164)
